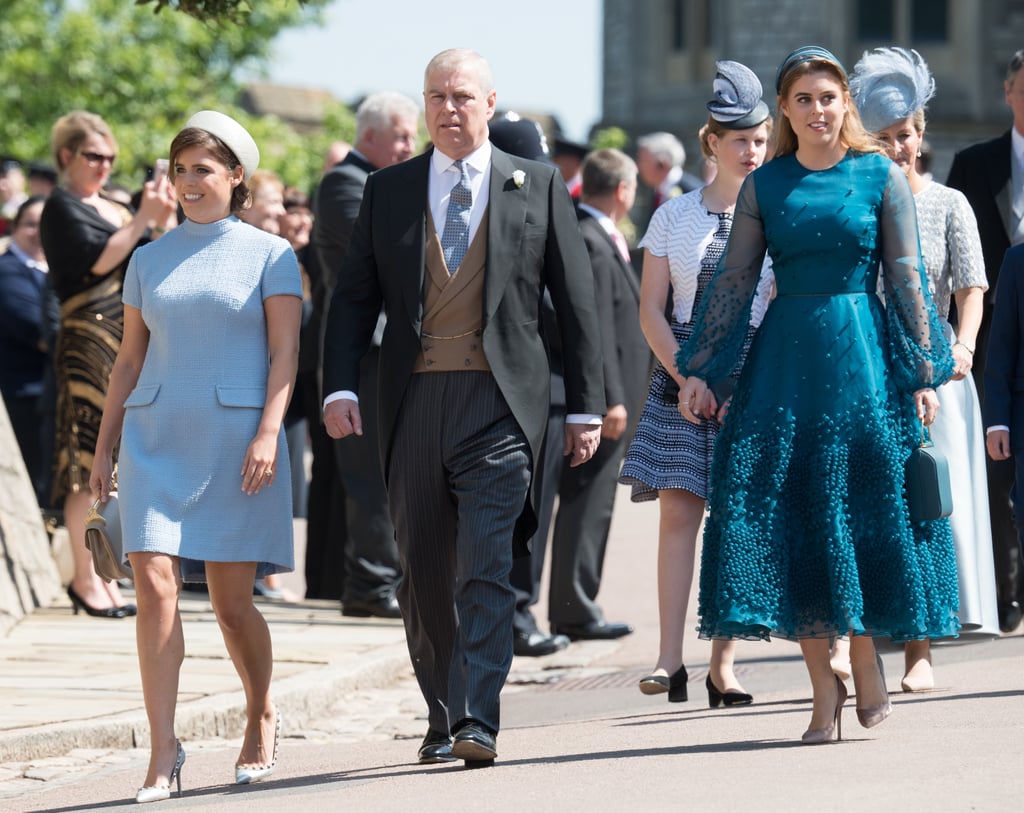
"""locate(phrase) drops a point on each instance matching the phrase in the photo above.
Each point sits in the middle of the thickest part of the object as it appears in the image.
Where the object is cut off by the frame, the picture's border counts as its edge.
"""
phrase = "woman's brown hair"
(852, 133)
(241, 198)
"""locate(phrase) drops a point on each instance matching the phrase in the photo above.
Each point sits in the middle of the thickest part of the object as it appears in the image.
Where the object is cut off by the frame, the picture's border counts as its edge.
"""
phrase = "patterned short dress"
(667, 451)
(74, 234)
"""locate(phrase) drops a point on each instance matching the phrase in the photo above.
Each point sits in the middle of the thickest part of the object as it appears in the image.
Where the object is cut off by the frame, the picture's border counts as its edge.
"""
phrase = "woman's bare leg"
(161, 646)
(247, 639)
(680, 519)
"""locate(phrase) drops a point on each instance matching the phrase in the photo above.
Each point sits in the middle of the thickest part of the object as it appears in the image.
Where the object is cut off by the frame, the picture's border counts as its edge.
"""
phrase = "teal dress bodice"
(808, 532)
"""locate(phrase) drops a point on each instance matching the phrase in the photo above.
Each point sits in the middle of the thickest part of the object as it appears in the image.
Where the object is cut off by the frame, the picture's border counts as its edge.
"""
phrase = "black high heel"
(727, 698)
(677, 686)
(77, 603)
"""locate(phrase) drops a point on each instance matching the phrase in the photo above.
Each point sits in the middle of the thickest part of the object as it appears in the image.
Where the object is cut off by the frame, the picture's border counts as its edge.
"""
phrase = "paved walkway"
(70, 687)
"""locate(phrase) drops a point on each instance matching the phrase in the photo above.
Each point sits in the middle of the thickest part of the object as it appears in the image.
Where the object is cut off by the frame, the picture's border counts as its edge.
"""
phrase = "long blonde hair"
(852, 133)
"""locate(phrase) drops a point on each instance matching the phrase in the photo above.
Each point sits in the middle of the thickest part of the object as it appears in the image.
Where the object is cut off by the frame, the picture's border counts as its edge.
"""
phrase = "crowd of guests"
(761, 361)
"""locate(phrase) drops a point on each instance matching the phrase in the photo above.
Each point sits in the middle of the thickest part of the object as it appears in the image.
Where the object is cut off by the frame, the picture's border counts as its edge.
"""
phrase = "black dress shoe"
(536, 644)
(436, 747)
(383, 607)
(476, 744)
(730, 697)
(593, 631)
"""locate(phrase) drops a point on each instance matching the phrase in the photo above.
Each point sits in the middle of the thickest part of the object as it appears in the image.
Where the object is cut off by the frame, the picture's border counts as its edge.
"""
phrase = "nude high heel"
(158, 793)
(818, 736)
(871, 717)
(246, 774)
(919, 676)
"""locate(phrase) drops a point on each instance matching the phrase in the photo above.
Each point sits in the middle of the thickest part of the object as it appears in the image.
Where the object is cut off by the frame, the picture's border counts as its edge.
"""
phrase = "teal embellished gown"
(808, 532)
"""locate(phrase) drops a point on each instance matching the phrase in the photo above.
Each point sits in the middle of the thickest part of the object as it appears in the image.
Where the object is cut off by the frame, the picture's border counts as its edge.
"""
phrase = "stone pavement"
(70, 695)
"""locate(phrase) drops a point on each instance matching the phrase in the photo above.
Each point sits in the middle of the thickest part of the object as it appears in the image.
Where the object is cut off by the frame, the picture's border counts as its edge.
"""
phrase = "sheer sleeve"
(721, 323)
(920, 353)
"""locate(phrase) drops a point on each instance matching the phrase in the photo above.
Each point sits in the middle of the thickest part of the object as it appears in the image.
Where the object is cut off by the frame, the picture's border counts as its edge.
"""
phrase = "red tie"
(620, 243)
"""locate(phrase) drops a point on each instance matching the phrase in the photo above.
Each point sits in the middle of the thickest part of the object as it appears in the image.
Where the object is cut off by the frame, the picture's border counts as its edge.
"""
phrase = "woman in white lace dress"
(891, 87)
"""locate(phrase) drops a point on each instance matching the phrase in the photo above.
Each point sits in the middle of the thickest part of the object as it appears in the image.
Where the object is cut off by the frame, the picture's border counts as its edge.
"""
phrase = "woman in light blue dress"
(197, 398)
(808, 533)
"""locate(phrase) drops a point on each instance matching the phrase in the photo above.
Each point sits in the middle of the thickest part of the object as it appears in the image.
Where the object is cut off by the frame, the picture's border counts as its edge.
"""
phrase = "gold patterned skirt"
(91, 325)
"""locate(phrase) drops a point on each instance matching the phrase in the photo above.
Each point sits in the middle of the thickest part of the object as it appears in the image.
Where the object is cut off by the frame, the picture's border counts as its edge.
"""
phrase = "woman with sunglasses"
(87, 239)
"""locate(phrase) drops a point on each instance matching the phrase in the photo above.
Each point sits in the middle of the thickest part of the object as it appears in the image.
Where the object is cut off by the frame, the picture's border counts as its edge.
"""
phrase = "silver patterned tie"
(455, 238)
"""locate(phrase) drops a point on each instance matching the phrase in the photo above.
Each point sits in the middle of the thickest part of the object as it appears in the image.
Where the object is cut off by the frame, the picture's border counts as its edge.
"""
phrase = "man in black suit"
(348, 512)
(458, 245)
(586, 495)
(991, 176)
(525, 138)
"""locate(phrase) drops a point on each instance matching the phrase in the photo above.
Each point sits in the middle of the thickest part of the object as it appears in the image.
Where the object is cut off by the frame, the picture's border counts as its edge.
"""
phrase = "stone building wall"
(647, 86)
(28, 576)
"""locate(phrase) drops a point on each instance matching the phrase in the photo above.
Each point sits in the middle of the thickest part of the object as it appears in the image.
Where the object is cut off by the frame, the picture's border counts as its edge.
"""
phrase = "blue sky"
(545, 53)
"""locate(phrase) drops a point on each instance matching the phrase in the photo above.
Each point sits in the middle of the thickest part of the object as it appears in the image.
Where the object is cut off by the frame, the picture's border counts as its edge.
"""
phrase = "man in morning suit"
(458, 245)
(349, 473)
(586, 495)
(991, 176)
(1004, 374)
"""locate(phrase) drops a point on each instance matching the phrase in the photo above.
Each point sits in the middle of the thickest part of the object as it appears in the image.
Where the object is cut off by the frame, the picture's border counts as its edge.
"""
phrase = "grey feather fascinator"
(890, 84)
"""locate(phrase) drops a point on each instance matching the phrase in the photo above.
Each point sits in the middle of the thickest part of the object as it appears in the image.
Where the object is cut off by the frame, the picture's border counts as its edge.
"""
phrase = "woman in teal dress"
(808, 534)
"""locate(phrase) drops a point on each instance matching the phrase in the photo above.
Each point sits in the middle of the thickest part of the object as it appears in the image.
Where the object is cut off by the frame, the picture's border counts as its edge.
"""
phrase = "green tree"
(145, 73)
(234, 10)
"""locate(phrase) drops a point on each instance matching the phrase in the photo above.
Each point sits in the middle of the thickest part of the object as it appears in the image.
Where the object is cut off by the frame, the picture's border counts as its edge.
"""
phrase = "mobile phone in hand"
(160, 168)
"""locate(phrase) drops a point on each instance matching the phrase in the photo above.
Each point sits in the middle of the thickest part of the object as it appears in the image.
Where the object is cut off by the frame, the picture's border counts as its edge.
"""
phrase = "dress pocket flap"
(241, 396)
(142, 396)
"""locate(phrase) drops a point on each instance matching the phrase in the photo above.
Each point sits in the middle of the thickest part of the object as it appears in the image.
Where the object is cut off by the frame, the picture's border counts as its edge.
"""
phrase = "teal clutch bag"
(929, 496)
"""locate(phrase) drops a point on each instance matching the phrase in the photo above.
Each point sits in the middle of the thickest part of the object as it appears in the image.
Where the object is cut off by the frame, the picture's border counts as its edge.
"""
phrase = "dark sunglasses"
(96, 158)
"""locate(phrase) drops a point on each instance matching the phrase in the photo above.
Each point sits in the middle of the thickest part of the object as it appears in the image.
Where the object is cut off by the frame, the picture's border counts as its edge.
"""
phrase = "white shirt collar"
(671, 180)
(1017, 145)
(606, 222)
(477, 160)
(21, 255)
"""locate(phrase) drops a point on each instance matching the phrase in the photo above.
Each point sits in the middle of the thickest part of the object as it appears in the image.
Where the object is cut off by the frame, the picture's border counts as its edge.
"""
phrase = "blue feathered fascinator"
(890, 84)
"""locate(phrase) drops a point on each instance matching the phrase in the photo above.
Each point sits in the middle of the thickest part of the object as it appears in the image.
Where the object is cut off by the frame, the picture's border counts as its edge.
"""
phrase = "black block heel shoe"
(728, 698)
(677, 686)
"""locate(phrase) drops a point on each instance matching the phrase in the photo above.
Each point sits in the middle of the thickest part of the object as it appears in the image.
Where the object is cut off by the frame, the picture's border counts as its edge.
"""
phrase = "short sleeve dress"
(200, 397)
(808, 532)
(666, 450)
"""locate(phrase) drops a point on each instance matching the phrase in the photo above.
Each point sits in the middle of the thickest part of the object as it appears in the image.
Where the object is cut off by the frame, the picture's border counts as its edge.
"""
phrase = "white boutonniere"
(519, 178)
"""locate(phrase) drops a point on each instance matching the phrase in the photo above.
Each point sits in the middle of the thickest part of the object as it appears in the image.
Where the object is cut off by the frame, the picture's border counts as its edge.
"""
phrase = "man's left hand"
(581, 441)
(614, 422)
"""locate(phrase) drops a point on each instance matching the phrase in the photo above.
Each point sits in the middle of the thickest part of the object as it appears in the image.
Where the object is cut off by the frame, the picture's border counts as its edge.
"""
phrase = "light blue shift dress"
(200, 396)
